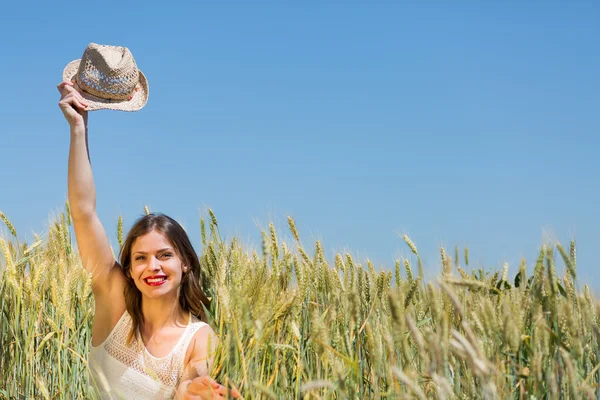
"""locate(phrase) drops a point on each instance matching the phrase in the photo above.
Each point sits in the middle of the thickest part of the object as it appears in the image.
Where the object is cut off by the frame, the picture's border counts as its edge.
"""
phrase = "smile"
(152, 281)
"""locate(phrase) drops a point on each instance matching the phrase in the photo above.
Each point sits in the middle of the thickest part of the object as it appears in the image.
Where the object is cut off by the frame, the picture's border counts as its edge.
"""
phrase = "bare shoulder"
(200, 354)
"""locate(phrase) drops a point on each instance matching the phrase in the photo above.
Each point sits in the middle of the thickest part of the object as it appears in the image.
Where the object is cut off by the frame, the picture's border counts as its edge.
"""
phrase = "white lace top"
(118, 371)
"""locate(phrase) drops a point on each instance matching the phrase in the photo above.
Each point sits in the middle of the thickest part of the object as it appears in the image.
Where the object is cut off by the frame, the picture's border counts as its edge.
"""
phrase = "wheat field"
(294, 326)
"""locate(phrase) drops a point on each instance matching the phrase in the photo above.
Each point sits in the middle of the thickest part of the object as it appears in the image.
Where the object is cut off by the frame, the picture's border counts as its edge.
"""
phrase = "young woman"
(148, 341)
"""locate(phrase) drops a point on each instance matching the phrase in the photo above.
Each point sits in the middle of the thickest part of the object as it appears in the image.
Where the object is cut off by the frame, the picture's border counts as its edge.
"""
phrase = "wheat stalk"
(120, 231)
(410, 244)
(9, 225)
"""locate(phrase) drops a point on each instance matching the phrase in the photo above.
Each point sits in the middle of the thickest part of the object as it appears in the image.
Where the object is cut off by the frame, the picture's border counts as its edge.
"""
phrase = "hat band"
(115, 91)
(102, 97)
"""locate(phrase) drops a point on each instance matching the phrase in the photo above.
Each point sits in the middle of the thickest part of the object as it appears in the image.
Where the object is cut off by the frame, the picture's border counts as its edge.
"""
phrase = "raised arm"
(92, 241)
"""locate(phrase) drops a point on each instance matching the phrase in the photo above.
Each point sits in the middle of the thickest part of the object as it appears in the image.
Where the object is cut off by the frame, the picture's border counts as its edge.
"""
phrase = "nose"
(153, 263)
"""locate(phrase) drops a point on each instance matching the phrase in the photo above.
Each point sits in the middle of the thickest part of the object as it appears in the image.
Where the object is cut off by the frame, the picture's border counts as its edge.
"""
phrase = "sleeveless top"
(119, 371)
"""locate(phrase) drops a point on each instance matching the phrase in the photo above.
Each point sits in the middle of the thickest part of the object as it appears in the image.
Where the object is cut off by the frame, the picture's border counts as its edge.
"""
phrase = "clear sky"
(473, 124)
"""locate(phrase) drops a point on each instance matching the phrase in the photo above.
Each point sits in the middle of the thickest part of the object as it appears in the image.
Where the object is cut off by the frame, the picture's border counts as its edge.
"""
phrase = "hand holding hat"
(107, 77)
(72, 104)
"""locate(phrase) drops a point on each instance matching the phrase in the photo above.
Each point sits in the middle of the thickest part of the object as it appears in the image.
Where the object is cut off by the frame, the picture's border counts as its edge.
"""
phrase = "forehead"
(149, 242)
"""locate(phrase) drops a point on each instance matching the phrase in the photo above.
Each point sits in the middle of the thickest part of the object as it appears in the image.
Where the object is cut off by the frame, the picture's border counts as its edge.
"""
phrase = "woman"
(147, 338)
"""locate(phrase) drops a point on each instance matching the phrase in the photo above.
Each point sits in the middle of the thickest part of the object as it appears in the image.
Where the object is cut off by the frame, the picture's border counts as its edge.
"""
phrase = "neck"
(160, 313)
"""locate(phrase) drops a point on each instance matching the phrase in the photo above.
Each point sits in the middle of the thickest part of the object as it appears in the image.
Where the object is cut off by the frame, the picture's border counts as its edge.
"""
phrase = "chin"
(154, 293)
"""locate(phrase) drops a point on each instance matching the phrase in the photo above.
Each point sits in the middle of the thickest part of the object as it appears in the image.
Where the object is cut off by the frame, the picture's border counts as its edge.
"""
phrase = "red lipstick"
(155, 280)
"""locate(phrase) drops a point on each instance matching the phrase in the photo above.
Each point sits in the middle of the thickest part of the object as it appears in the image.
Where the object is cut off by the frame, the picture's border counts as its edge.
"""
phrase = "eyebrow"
(158, 251)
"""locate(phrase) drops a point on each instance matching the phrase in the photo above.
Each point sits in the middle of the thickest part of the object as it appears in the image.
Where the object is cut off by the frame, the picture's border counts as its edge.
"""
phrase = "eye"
(139, 258)
(167, 255)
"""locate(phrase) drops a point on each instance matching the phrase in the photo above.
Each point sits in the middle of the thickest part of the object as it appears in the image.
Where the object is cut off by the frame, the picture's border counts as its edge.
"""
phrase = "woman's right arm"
(92, 241)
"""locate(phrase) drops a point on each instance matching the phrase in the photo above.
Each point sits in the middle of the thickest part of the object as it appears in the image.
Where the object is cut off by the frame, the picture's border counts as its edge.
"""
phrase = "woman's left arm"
(196, 383)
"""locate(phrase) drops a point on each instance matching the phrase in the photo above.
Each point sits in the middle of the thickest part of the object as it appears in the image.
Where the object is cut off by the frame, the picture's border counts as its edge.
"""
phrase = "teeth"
(155, 280)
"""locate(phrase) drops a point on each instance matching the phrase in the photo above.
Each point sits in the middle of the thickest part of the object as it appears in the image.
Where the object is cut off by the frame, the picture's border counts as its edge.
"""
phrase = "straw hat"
(108, 78)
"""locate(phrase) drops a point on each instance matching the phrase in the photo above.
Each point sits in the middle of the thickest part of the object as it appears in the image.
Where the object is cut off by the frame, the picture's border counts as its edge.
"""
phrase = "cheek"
(136, 271)
(177, 270)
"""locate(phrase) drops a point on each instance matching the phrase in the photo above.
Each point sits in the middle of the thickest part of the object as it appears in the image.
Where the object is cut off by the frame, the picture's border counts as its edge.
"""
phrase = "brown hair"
(191, 295)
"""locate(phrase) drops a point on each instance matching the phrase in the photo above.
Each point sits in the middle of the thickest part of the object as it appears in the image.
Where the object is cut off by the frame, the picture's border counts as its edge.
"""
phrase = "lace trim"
(165, 370)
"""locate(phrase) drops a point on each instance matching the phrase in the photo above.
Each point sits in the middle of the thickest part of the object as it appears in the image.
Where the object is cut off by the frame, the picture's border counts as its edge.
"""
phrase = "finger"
(73, 102)
(80, 97)
(79, 104)
(198, 387)
(208, 381)
(67, 90)
(61, 86)
(74, 94)
(235, 393)
(221, 390)
(206, 392)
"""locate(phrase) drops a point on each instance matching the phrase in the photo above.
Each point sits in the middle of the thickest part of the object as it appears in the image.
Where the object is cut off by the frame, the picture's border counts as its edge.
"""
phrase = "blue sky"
(473, 124)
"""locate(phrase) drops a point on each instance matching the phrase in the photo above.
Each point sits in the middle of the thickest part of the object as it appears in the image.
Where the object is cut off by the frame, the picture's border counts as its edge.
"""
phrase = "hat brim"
(136, 103)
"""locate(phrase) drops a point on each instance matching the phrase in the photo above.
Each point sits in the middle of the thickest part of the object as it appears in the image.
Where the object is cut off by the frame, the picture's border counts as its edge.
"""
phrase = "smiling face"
(156, 268)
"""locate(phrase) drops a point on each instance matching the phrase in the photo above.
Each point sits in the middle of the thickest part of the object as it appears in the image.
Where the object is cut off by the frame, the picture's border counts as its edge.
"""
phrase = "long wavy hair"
(191, 295)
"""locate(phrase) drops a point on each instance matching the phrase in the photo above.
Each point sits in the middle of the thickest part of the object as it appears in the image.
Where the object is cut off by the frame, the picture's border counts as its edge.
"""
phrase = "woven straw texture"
(108, 78)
